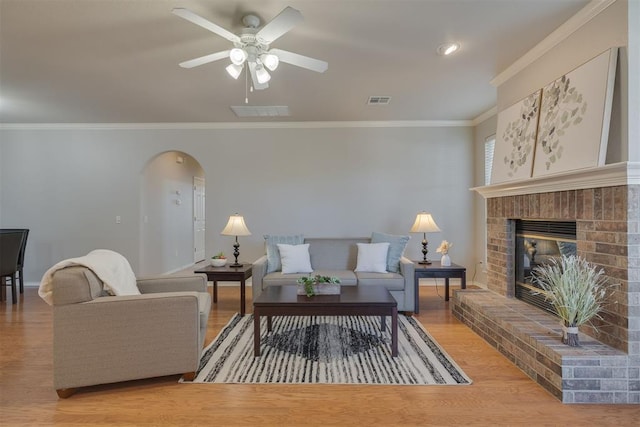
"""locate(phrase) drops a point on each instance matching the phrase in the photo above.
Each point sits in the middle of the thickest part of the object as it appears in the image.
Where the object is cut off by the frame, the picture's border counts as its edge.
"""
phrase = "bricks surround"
(606, 369)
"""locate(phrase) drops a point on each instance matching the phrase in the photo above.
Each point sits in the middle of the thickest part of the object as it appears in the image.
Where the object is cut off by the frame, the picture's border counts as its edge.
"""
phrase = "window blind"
(489, 145)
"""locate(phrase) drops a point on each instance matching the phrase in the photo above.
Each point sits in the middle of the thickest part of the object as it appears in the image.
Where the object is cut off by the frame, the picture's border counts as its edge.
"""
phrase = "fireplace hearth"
(607, 233)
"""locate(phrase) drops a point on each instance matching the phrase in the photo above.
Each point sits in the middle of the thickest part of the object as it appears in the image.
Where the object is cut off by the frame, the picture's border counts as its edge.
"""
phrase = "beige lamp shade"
(236, 227)
(424, 224)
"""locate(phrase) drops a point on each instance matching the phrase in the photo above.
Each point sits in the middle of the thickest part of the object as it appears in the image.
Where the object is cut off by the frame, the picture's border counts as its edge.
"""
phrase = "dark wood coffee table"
(352, 301)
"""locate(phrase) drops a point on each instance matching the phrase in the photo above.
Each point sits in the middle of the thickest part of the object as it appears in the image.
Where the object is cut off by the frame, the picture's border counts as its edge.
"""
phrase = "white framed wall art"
(575, 112)
(515, 140)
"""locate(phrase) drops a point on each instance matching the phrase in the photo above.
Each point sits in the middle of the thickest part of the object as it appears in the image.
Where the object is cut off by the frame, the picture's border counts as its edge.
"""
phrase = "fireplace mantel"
(623, 173)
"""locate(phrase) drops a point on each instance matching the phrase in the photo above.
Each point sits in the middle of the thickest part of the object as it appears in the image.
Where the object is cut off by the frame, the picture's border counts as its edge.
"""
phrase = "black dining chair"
(25, 232)
(10, 245)
(23, 248)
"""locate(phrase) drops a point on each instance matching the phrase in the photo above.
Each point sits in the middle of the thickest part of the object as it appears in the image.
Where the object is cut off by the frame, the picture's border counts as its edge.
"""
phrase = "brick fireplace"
(606, 368)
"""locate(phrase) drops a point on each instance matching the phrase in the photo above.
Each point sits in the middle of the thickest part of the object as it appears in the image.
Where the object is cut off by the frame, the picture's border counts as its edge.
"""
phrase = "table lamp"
(236, 227)
(424, 224)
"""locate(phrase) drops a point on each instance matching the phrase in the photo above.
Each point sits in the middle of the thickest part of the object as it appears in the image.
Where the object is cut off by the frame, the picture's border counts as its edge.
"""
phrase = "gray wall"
(317, 181)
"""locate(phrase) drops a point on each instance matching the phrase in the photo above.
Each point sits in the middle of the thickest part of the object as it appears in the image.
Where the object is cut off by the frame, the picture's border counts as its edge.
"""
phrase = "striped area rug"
(327, 350)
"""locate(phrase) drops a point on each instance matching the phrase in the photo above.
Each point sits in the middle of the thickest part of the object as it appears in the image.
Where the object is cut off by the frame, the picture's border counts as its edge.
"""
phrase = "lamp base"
(236, 265)
(424, 262)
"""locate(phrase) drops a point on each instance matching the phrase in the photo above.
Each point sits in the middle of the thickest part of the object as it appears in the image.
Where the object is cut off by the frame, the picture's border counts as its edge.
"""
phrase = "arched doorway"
(172, 213)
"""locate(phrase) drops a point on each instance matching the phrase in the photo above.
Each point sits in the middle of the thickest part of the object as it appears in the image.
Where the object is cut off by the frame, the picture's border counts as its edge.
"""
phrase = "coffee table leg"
(394, 332)
(269, 323)
(383, 323)
(446, 289)
(215, 291)
(256, 333)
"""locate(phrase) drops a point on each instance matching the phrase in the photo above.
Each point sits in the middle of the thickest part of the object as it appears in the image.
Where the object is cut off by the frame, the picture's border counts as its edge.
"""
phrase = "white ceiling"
(116, 61)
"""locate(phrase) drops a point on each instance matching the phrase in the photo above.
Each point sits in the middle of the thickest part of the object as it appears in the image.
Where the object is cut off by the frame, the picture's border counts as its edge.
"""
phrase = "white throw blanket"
(111, 267)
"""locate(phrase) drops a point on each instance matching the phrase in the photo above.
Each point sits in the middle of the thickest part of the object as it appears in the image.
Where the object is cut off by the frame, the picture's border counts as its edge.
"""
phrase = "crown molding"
(244, 125)
(586, 14)
(484, 116)
(624, 173)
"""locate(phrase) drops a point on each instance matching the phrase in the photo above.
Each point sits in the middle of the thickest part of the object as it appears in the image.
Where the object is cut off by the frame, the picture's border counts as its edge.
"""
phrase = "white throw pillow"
(295, 258)
(372, 257)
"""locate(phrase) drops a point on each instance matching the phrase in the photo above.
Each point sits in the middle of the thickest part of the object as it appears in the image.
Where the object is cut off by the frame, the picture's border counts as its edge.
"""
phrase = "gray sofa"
(99, 339)
(338, 257)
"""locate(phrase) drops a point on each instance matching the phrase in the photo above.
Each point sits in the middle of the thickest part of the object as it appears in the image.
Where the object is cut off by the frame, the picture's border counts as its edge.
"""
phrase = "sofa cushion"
(397, 244)
(278, 279)
(295, 258)
(334, 253)
(347, 278)
(273, 254)
(372, 257)
(392, 281)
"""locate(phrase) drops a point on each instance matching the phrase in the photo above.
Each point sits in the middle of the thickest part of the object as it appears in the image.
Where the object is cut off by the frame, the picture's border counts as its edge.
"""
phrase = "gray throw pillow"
(273, 254)
(397, 244)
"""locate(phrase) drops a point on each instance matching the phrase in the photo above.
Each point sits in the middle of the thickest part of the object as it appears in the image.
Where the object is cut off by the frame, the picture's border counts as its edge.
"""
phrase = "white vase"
(445, 261)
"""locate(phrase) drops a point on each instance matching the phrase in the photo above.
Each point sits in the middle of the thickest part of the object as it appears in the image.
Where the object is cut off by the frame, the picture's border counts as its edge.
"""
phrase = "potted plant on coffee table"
(577, 290)
(318, 285)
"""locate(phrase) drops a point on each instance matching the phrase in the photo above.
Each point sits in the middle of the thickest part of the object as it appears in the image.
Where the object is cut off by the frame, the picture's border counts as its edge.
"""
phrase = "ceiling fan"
(251, 46)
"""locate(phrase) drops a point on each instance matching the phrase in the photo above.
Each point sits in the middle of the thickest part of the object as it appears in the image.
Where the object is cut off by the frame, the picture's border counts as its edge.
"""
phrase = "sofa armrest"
(166, 283)
(407, 268)
(157, 334)
(258, 271)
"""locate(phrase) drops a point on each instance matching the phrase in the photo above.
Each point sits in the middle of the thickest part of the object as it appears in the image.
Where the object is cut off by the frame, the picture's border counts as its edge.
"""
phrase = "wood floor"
(500, 394)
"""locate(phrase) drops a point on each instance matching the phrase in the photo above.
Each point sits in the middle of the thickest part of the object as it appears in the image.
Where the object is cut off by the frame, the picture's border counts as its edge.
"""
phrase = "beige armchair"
(99, 339)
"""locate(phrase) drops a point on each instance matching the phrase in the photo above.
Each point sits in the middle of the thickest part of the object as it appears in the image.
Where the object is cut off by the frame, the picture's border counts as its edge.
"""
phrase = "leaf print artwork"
(563, 106)
(520, 134)
(513, 156)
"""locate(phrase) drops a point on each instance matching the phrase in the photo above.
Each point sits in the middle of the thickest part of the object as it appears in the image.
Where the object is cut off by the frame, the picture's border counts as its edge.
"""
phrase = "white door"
(198, 219)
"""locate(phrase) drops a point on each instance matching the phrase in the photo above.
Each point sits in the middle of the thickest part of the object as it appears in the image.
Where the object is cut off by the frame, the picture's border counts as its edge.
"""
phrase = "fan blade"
(205, 59)
(300, 60)
(254, 78)
(285, 21)
(199, 20)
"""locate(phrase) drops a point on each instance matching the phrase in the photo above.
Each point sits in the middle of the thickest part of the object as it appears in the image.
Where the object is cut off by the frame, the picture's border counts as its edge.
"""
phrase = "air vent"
(379, 100)
(261, 110)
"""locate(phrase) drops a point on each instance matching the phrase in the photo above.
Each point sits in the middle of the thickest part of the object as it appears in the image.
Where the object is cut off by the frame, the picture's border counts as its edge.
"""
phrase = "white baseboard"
(232, 284)
(452, 282)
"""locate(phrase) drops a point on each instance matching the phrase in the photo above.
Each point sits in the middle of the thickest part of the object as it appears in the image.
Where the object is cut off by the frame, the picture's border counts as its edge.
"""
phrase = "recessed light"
(448, 48)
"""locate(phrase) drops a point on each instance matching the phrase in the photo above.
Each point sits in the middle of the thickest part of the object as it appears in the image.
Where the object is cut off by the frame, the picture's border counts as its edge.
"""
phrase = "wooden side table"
(437, 271)
(231, 274)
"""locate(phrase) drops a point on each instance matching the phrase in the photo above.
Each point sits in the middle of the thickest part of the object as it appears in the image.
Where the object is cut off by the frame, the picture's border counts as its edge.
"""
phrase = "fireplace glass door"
(538, 243)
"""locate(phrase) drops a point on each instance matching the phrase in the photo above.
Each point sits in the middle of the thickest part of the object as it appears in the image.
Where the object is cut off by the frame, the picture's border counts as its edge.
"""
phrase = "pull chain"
(246, 85)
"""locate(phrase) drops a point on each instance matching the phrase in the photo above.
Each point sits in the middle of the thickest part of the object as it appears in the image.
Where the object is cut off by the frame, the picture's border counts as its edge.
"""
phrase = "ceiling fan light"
(237, 56)
(234, 70)
(448, 48)
(262, 75)
(270, 61)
